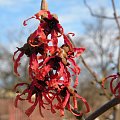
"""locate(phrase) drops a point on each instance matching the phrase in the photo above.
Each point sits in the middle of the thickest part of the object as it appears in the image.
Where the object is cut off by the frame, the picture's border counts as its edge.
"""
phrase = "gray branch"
(104, 108)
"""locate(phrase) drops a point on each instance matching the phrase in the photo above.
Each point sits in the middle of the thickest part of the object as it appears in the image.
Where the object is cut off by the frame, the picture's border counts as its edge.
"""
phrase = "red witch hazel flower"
(49, 68)
(114, 89)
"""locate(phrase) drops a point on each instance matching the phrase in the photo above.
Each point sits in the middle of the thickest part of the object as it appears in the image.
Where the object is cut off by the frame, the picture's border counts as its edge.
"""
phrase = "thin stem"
(94, 76)
(85, 64)
(104, 108)
(91, 71)
(96, 15)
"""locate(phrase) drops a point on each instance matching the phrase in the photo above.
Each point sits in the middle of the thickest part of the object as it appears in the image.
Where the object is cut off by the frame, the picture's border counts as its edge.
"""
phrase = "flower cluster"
(114, 89)
(49, 68)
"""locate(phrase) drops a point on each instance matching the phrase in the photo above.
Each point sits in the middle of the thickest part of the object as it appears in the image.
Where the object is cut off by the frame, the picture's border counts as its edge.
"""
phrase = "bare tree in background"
(7, 78)
(100, 42)
(100, 38)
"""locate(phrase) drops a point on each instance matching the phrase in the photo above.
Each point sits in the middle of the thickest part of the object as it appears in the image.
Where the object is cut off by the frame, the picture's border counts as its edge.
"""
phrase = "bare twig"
(104, 108)
(118, 25)
(91, 72)
(96, 15)
(85, 64)
(89, 69)
(94, 76)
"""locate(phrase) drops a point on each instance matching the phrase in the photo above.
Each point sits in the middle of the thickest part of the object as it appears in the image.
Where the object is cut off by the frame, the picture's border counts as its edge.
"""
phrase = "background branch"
(104, 108)
(96, 15)
(91, 72)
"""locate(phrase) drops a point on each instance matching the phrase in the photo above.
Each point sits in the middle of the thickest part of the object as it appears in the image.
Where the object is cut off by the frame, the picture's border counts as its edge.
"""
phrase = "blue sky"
(71, 13)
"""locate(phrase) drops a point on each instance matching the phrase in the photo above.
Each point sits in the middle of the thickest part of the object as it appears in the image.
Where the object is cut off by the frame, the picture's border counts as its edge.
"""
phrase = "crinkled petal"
(115, 90)
(79, 51)
(40, 104)
(105, 79)
(74, 110)
(54, 38)
(16, 63)
(66, 99)
(76, 82)
(20, 84)
(29, 111)
(67, 41)
(60, 29)
(38, 15)
(18, 97)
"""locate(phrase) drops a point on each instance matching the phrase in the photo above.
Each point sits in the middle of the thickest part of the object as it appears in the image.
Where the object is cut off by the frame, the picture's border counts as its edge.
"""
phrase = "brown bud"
(44, 5)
